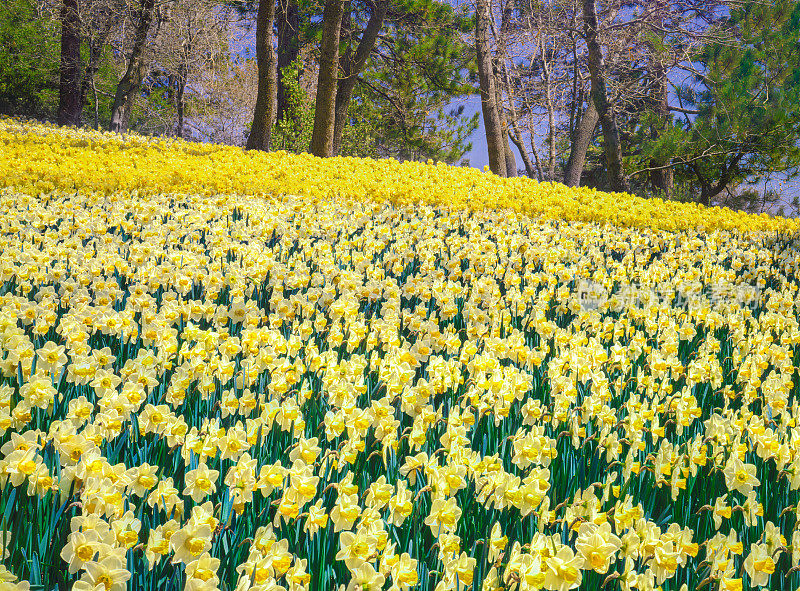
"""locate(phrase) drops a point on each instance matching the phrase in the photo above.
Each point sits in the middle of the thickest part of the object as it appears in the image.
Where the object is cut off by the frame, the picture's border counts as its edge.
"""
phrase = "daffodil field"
(227, 370)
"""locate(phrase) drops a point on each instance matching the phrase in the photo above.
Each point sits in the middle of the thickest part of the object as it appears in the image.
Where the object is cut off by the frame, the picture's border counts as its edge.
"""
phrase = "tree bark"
(612, 146)
(288, 21)
(513, 135)
(508, 155)
(532, 139)
(662, 178)
(97, 43)
(134, 74)
(352, 65)
(581, 139)
(502, 54)
(180, 96)
(576, 100)
(551, 123)
(707, 190)
(535, 152)
(489, 107)
(264, 114)
(324, 110)
(70, 102)
(95, 50)
(511, 161)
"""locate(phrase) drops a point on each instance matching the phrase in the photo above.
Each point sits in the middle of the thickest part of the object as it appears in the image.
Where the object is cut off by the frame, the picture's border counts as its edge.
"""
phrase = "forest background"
(694, 100)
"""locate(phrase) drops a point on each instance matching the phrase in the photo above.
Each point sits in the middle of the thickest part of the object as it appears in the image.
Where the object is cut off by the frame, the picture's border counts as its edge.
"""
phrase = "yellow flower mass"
(36, 159)
(230, 370)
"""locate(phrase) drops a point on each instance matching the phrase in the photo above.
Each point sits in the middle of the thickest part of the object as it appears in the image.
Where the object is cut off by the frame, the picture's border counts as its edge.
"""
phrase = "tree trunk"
(96, 45)
(511, 161)
(526, 160)
(180, 100)
(352, 66)
(264, 115)
(535, 152)
(508, 155)
(611, 143)
(502, 42)
(709, 191)
(551, 126)
(581, 138)
(661, 179)
(70, 103)
(132, 80)
(324, 110)
(95, 49)
(288, 20)
(514, 133)
(576, 100)
(489, 107)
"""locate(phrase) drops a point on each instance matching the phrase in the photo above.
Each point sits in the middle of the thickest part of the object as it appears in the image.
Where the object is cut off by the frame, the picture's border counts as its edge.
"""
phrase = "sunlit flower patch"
(39, 159)
(221, 389)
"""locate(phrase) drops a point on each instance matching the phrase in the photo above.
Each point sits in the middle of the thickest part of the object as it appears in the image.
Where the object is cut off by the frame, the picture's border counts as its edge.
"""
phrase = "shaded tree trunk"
(611, 142)
(489, 107)
(661, 179)
(502, 43)
(345, 58)
(70, 102)
(532, 139)
(579, 145)
(511, 161)
(535, 153)
(576, 100)
(264, 114)
(95, 49)
(508, 155)
(513, 135)
(551, 124)
(180, 100)
(288, 21)
(352, 64)
(96, 44)
(324, 111)
(134, 74)
(708, 189)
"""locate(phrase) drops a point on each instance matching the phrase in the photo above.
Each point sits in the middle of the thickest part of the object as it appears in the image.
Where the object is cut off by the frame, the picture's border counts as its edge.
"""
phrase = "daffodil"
(355, 549)
(404, 572)
(597, 545)
(759, 565)
(187, 544)
(345, 512)
(366, 578)
(563, 570)
(443, 516)
(200, 482)
(740, 476)
(109, 573)
(82, 548)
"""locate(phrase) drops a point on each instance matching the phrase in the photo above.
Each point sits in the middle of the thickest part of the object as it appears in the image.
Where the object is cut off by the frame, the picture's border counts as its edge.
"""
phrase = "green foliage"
(106, 80)
(29, 58)
(421, 66)
(747, 95)
(361, 136)
(293, 132)
(400, 107)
